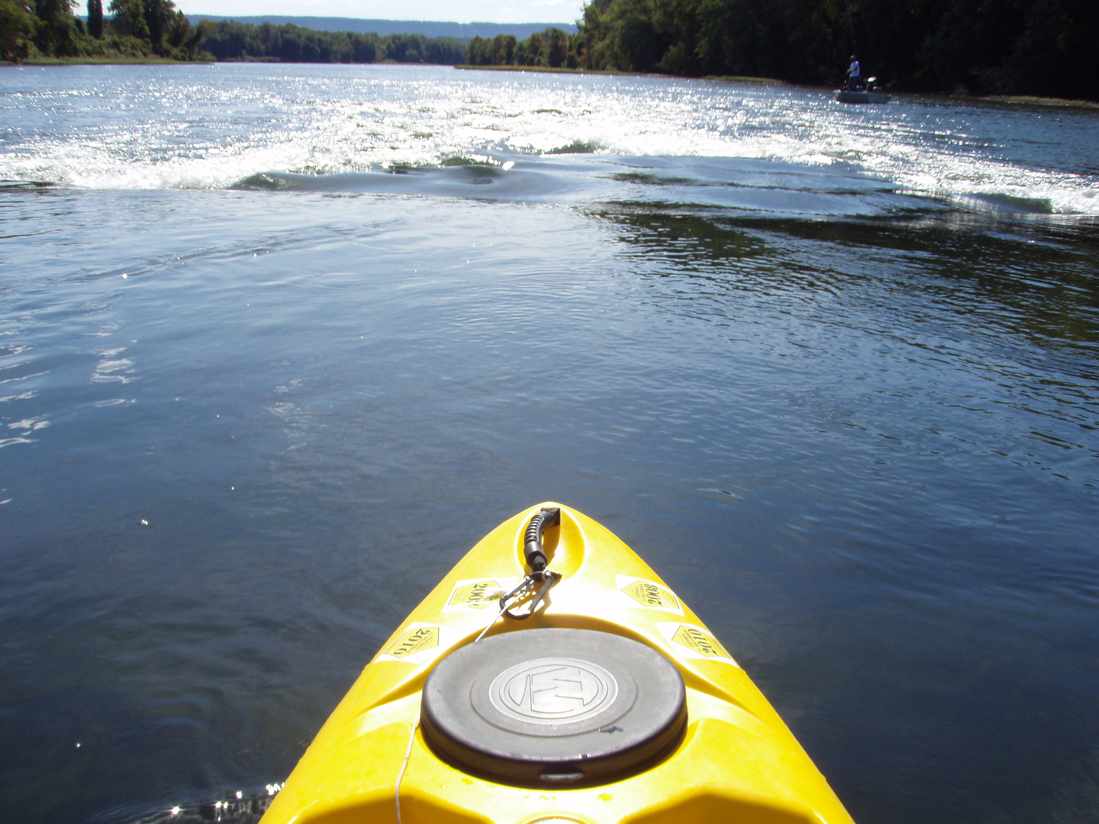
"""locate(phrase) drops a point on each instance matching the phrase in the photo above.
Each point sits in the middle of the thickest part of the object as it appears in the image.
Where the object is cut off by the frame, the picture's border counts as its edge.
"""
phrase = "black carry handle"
(532, 540)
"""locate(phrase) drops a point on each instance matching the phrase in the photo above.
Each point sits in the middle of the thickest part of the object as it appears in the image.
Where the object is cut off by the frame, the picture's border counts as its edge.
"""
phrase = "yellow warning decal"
(413, 640)
(649, 594)
(481, 593)
(700, 642)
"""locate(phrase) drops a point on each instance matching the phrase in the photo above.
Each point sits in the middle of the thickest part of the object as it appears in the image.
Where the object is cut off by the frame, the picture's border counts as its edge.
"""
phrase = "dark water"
(278, 344)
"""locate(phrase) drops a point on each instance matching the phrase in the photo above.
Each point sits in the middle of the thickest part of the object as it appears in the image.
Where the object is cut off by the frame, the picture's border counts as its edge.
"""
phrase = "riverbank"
(744, 78)
(727, 78)
(999, 100)
(540, 69)
(115, 60)
(1044, 102)
(1004, 100)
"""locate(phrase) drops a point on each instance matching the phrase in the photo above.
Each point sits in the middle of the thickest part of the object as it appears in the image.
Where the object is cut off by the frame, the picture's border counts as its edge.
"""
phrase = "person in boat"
(854, 74)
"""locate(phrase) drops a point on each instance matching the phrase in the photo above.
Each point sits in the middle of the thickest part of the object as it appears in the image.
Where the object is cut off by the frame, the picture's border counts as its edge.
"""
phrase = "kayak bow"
(552, 676)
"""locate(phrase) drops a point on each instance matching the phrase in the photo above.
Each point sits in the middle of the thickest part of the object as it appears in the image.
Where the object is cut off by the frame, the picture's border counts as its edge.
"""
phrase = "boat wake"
(274, 128)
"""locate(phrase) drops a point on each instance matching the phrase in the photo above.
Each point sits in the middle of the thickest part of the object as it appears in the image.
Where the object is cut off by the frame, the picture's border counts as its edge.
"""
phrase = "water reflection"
(111, 367)
(236, 807)
(1012, 307)
(1035, 285)
(674, 237)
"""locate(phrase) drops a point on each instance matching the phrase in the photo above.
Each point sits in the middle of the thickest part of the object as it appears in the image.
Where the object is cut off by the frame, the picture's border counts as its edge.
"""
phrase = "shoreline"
(114, 60)
(997, 99)
(723, 78)
(1031, 100)
(546, 70)
(1012, 100)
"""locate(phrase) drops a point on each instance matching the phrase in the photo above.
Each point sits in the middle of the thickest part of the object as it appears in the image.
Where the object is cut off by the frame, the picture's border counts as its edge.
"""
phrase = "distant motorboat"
(870, 93)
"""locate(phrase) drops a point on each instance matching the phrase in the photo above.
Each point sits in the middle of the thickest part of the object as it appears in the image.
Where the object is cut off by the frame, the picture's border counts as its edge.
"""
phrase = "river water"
(278, 343)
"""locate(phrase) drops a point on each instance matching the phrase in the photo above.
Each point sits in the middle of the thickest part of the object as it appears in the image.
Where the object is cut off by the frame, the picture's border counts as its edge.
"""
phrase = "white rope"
(492, 621)
(519, 591)
(404, 766)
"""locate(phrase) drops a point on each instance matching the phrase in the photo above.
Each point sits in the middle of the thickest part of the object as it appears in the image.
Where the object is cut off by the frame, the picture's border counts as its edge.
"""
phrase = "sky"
(462, 11)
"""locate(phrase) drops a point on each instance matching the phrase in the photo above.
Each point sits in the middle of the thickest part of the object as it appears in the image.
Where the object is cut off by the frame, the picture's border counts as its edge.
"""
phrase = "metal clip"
(545, 578)
(519, 594)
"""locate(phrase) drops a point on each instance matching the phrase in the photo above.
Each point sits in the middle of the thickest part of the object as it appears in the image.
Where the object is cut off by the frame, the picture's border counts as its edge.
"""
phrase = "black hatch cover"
(553, 707)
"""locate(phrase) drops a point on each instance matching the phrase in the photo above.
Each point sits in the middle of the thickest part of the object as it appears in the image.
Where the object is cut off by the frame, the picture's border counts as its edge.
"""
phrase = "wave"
(1013, 192)
(24, 185)
(267, 181)
(1013, 204)
(577, 147)
(326, 136)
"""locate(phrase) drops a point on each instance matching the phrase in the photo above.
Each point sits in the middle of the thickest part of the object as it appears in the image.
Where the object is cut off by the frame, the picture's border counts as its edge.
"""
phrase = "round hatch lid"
(553, 707)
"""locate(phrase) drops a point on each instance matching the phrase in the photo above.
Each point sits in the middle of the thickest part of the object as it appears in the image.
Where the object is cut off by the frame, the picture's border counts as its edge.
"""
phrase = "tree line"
(552, 48)
(135, 29)
(1038, 47)
(229, 40)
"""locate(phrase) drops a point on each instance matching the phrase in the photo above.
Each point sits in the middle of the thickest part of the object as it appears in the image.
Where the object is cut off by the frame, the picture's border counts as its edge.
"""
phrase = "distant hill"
(463, 31)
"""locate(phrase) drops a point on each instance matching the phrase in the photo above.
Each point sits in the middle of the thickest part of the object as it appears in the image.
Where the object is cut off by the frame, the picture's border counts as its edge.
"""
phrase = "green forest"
(229, 40)
(151, 29)
(1022, 47)
(130, 29)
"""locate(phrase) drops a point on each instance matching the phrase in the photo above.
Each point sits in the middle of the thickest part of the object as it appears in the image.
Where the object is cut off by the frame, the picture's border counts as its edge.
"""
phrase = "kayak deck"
(735, 760)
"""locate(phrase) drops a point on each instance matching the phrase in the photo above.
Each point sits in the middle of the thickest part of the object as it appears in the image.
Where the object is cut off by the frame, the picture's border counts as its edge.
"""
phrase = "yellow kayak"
(553, 677)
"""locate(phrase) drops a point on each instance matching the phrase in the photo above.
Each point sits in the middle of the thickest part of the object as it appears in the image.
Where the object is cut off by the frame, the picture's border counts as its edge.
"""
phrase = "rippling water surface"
(278, 343)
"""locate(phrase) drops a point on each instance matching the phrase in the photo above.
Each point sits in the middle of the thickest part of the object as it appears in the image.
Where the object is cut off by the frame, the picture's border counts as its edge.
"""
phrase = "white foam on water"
(312, 127)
